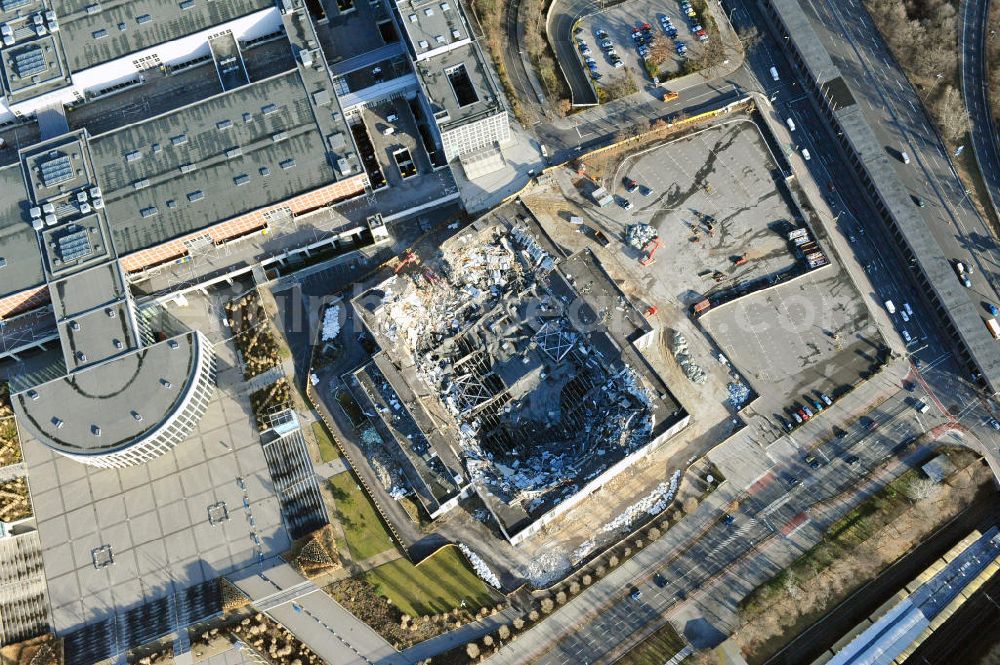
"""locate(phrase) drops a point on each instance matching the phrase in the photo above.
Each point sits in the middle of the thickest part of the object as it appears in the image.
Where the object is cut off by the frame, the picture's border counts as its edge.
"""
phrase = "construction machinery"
(649, 250)
(409, 256)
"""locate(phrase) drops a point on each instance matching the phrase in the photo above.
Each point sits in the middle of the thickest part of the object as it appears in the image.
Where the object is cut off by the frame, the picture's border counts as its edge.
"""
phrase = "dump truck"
(994, 328)
(670, 95)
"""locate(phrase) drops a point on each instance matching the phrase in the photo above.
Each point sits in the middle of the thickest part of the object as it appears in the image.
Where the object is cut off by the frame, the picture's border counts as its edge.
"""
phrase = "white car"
(805, 154)
(909, 310)
(906, 336)
(906, 317)
(889, 307)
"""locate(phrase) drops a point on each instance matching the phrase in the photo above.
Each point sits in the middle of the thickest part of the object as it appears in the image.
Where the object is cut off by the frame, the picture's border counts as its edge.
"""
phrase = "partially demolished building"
(522, 367)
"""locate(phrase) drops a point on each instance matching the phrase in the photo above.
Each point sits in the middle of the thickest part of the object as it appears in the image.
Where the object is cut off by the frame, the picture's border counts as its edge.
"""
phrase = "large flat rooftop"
(230, 154)
(18, 241)
(94, 33)
(457, 83)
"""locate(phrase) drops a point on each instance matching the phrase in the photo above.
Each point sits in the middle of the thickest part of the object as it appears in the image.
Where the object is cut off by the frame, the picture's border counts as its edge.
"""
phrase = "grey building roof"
(96, 32)
(87, 290)
(432, 24)
(444, 96)
(34, 67)
(799, 27)
(225, 156)
(22, 259)
(63, 413)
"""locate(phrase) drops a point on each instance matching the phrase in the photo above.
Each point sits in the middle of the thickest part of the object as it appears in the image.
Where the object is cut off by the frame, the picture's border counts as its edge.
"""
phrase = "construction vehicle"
(409, 256)
(739, 260)
(670, 95)
(649, 250)
(994, 328)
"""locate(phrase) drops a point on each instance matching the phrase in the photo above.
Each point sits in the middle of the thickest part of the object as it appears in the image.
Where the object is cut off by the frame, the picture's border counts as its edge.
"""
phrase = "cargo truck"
(994, 328)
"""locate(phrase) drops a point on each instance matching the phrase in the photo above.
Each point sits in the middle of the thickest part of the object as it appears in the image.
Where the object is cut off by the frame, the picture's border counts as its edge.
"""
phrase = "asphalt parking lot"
(713, 201)
(798, 340)
(618, 22)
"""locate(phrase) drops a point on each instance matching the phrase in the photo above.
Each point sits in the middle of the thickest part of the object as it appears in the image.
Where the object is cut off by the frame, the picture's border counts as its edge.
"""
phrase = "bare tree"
(922, 488)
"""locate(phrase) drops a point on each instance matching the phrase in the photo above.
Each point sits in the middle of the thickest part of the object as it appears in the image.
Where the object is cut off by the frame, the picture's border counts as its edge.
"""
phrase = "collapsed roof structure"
(530, 358)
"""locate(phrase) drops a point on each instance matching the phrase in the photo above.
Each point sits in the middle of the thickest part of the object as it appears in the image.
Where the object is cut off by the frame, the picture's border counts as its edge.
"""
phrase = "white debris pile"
(585, 548)
(639, 235)
(692, 370)
(388, 472)
(652, 504)
(485, 573)
(738, 394)
(331, 323)
(313, 379)
(546, 567)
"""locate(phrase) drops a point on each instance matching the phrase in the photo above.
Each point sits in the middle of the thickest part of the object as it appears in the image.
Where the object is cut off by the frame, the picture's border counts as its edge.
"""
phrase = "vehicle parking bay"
(796, 341)
(618, 22)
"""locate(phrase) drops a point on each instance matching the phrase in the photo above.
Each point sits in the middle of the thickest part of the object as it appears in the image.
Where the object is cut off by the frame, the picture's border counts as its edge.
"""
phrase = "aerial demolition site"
(528, 358)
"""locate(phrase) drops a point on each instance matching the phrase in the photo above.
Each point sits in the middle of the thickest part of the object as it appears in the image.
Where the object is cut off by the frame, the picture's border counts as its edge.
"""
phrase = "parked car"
(617, 63)
(904, 316)
(906, 335)
(907, 308)
(625, 203)
(600, 33)
(992, 309)
(826, 399)
(818, 405)
(995, 424)
(852, 460)
(659, 580)
(635, 594)
(645, 190)
(797, 417)
(808, 411)
(630, 185)
(811, 460)
(728, 519)
(586, 50)
(606, 43)
(801, 413)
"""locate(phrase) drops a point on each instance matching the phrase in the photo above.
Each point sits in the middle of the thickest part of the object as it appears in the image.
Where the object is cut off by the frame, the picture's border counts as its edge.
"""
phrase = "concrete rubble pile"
(386, 470)
(484, 306)
(652, 504)
(692, 370)
(639, 235)
(738, 394)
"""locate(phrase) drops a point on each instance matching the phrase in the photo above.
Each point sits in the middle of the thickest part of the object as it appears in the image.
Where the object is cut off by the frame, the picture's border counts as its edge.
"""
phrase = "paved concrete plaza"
(175, 522)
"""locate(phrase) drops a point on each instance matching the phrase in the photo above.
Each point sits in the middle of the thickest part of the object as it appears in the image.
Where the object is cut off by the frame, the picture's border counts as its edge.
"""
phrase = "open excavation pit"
(528, 361)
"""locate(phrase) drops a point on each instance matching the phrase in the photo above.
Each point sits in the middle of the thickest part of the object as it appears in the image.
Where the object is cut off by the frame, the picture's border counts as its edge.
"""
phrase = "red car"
(630, 185)
(803, 415)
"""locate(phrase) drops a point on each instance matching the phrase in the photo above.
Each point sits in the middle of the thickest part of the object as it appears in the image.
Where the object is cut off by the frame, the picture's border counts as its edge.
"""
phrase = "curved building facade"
(126, 411)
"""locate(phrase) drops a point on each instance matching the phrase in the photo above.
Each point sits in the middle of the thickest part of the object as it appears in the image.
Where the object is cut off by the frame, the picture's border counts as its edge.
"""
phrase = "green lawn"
(656, 649)
(328, 450)
(435, 585)
(366, 535)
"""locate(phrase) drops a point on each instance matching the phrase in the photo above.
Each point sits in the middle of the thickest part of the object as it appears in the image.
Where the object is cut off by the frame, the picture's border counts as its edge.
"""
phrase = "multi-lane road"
(972, 46)
(717, 558)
